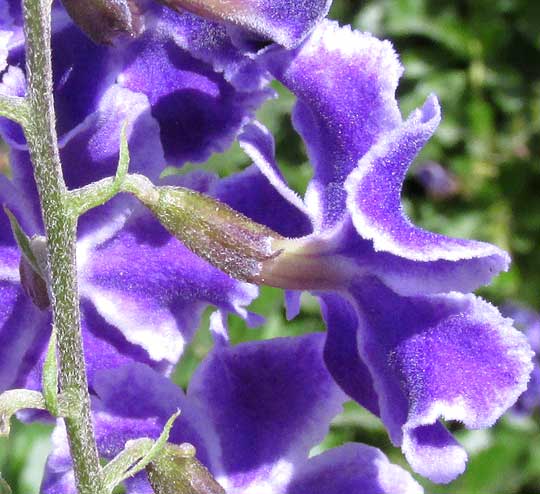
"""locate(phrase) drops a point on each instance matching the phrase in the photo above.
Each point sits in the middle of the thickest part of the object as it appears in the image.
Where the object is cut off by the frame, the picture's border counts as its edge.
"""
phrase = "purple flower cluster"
(405, 338)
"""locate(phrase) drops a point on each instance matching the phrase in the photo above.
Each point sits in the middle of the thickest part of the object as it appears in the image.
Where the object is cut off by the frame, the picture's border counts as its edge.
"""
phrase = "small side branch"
(14, 400)
(15, 108)
(136, 456)
(95, 194)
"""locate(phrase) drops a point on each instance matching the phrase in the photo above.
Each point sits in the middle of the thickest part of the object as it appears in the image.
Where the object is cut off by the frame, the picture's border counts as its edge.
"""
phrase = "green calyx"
(177, 470)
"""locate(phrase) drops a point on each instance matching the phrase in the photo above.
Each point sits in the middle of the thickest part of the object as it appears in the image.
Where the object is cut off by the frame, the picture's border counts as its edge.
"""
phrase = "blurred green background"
(482, 58)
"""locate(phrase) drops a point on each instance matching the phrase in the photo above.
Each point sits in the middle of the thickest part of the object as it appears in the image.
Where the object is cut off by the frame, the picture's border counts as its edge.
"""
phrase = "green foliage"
(23, 455)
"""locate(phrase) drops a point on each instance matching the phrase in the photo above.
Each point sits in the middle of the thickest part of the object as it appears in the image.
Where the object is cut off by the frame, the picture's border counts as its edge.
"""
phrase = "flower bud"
(33, 283)
(104, 20)
(176, 470)
(240, 247)
(225, 238)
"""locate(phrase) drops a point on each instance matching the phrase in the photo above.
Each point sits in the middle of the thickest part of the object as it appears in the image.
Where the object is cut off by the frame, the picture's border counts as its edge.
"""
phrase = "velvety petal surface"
(151, 287)
(143, 291)
(354, 469)
(6, 33)
(11, 78)
(132, 401)
(348, 116)
(250, 193)
(82, 71)
(23, 333)
(345, 83)
(282, 21)
(11, 21)
(198, 111)
(105, 347)
(258, 143)
(90, 152)
(209, 42)
(289, 216)
(253, 412)
(450, 356)
(413, 277)
(374, 199)
(137, 402)
(269, 403)
(341, 352)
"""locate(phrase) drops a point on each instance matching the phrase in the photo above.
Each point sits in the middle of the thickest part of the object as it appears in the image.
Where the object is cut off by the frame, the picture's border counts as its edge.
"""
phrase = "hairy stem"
(14, 108)
(60, 229)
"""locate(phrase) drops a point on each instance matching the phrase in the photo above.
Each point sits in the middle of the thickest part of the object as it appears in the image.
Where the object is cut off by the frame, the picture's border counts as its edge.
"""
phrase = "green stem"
(14, 108)
(60, 228)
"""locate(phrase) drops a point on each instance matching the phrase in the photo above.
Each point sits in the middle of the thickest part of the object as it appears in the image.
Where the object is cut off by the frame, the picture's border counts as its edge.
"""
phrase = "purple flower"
(142, 292)
(402, 340)
(528, 321)
(142, 295)
(186, 90)
(198, 108)
(253, 412)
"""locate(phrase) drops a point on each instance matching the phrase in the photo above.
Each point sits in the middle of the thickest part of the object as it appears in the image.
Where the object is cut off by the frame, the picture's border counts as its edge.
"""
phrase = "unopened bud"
(222, 236)
(176, 470)
(33, 283)
(240, 247)
(104, 20)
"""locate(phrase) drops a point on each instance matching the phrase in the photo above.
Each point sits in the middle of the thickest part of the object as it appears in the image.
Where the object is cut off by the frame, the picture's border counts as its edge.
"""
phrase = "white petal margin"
(352, 469)
(258, 143)
(373, 198)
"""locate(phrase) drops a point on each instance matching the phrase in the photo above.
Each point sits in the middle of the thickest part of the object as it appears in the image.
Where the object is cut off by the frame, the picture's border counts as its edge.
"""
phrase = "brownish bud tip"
(304, 264)
(104, 20)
